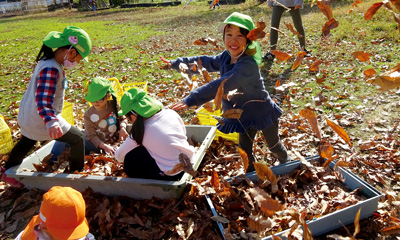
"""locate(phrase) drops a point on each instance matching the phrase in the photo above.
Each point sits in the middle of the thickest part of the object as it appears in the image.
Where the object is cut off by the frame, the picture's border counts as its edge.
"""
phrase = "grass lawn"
(127, 44)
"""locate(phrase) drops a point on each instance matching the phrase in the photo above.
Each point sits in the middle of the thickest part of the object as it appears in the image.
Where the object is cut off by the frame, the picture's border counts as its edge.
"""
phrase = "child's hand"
(107, 148)
(55, 132)
(297, 7)
(123, 134)
(168, 62)
(179, 106)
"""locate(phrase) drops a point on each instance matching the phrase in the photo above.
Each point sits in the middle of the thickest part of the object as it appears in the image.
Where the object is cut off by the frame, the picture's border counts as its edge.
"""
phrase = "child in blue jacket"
(239, 65)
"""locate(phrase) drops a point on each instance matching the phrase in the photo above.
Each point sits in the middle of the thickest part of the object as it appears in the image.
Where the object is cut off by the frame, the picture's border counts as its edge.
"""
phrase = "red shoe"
(12, 181)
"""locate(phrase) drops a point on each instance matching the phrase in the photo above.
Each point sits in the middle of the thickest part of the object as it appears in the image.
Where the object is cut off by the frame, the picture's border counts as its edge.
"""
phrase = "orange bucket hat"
(63, 211)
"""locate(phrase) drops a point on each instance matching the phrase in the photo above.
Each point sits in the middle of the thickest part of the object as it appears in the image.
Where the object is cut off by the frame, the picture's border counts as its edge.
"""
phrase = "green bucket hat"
(97, 88)
(243, 21)
(74, 36)
(137, 100)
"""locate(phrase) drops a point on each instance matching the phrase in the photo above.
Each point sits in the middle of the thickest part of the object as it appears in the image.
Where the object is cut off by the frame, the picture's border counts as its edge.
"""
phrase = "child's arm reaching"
(107, 148)
(179, 106)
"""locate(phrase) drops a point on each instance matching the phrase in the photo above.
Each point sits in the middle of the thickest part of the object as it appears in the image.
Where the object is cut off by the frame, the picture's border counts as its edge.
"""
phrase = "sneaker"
(269, 57)
(12, 181)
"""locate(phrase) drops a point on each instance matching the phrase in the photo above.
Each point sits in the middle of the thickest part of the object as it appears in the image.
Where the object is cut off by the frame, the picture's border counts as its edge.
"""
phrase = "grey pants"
(277, 12)
(271, 135)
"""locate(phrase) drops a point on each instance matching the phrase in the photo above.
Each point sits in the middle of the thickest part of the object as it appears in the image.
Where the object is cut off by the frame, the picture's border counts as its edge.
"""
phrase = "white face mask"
(67, 63)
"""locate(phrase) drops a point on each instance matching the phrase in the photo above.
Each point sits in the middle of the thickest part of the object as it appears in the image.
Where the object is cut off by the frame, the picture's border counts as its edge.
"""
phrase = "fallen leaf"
(361, 56)
(258, 32)
(340, 131)
(315, 66)
(372, 10)
(264, 172)
(299, 59)
(281, 56)
(312, 119)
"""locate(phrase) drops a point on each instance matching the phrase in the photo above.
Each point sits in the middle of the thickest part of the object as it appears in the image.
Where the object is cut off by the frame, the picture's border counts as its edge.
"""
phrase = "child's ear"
(72, 52)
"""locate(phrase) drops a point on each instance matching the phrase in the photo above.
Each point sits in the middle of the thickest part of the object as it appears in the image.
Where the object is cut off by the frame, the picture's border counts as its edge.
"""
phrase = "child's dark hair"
(47, 53)
(137, 130)
(116, 108)
(244, 32)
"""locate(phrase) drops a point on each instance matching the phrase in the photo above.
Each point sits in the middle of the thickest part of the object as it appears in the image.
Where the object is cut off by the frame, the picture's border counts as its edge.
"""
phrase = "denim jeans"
(59, 147)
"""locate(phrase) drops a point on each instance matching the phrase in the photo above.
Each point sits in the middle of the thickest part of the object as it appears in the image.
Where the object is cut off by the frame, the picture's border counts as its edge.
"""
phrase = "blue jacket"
(259, 111)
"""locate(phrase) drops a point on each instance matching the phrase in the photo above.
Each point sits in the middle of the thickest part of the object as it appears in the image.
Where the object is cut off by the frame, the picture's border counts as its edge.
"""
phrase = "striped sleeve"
(45, 90)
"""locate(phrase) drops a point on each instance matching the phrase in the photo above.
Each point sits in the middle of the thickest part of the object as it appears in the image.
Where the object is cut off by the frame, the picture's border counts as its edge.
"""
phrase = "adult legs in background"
(277, 12)
(75, 138)
(298, 24)
(271, 135)
(139, 163)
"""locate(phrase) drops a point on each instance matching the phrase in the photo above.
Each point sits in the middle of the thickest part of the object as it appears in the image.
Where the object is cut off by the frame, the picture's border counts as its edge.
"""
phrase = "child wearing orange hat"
(62, 216)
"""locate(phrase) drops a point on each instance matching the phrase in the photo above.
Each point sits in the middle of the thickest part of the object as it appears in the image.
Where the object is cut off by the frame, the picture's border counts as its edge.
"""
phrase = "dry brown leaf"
(307, 235)
(281, 56)
(312, 119)
(356, 2)
(219, 95)
(187, 165)
(357, 223)
(315, 66)
(259, 223)
(369, 72)
(299, 59)
(326, 151)
(234, 113)
(264, 172)
(340, 131)
(389, 80)
(267, 205)
(215, 180)
(391, 230)
(372, 10)
(201, 41)
(361, 56)
(258, 32)
(245, 159)
(209, 106)
(278, 83)
(290, 27)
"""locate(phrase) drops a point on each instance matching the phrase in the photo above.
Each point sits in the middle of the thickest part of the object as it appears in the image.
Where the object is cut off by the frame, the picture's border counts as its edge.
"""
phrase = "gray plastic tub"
(333, 220)
(113, 186)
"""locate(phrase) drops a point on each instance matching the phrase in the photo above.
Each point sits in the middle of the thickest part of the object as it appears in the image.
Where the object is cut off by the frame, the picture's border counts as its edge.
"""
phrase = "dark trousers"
(74, 137)
(138, 163)
(277, 12)
(271, 136)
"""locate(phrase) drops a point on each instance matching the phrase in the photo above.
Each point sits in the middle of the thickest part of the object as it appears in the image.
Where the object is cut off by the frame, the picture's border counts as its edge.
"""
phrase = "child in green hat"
(103, 126)
(238, 64)
(40, 109)
(157, 138)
